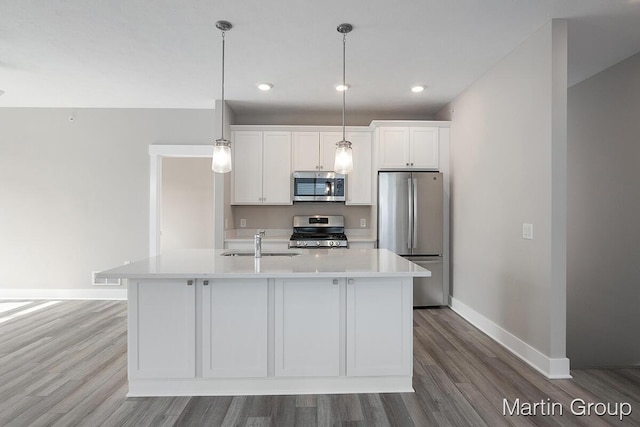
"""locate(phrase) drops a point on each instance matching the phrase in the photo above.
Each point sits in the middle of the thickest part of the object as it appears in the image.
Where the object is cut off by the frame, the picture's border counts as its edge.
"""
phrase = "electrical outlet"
(527, 231)
(243, 222)
(363, 222)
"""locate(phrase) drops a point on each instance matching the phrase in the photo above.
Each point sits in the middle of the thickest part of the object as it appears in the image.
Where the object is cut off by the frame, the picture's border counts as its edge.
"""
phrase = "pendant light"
(344, 153)
(221, 161)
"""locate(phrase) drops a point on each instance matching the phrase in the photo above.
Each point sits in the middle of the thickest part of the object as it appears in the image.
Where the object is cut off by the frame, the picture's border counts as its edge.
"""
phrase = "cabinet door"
(307, 327)
(161, 328)
(393, 147)
(379, 326)
(424, 148)
(306, 155)
(234, 328)
(247, 167)
(276, 168)
(359, 181)
(328, 142)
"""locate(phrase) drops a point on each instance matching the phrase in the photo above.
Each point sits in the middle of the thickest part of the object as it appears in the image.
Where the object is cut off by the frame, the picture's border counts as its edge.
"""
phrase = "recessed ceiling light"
(265, 86)
(417, 89)
(342, 88)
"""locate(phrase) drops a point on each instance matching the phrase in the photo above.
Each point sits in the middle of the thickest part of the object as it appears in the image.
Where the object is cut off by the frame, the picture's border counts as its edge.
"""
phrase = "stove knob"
(305, 243)
(318, 243)
(299, 243)
(331, 243)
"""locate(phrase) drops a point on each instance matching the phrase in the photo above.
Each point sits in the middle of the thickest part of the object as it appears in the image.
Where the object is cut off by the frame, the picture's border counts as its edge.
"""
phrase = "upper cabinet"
(313, 151)
(264, 157)
(408, 148)
(261, 168)
(359, 188)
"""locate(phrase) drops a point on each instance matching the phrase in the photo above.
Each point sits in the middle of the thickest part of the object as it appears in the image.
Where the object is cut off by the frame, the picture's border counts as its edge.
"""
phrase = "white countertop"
(210, 264)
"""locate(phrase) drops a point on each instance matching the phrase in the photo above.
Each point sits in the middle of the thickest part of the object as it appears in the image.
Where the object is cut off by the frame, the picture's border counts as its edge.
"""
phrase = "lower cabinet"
(379, 326)
(258, 328)
(162, 329)
(307, 327)
(234, 328)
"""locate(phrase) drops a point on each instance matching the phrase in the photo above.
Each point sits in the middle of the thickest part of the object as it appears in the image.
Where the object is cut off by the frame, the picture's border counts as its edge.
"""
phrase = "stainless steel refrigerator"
(411, 224)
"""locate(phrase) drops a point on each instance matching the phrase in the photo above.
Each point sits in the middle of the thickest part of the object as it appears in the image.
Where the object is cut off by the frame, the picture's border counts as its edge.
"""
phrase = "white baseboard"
(107, 294)
(551, 368)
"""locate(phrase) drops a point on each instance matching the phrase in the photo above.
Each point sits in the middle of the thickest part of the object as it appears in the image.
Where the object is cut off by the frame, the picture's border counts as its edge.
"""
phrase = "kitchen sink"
(264, 254)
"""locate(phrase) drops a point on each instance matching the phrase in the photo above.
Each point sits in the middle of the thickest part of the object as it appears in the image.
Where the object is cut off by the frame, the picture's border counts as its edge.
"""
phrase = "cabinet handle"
(189, 282)
(206, 283)
(411, 164)
(335, 281)
(407, 164)
(351, 281)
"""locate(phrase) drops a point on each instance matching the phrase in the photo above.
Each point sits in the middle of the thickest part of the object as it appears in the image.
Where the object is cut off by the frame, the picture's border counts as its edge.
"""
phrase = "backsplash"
(280, 217)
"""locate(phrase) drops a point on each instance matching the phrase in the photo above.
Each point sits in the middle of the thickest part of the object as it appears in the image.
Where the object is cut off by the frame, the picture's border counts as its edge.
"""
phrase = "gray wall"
(74, 195)
(507, 156)
(603, 265)
(334, 118)
(280, 217)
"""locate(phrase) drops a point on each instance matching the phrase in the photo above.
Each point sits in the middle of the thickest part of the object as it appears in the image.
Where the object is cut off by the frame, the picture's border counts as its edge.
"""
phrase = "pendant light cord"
(222, 124)
(344, 84)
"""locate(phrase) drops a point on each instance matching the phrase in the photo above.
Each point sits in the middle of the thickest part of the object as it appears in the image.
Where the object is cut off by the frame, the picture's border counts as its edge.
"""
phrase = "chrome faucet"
(258, 243)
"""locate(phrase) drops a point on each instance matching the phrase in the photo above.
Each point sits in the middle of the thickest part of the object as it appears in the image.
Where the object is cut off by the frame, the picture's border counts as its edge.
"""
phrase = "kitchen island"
(211, 322)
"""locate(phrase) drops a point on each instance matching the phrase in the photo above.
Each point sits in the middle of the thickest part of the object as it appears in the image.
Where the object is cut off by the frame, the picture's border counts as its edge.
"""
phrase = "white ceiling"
(166, 53)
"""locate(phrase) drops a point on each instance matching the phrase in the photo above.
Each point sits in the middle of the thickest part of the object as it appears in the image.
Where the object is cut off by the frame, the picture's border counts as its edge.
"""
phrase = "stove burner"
(318, 232)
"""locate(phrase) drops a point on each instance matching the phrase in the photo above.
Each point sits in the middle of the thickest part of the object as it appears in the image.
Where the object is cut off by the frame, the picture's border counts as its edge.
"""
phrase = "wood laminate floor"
(64, 364)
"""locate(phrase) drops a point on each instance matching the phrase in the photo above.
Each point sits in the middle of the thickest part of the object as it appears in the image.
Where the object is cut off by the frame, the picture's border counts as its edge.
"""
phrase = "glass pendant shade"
(221, 159)
(221, 156)
(344, 154)
(344, 157)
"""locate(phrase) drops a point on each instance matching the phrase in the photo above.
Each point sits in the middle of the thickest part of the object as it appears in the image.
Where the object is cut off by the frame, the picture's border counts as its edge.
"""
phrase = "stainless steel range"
(317, 231)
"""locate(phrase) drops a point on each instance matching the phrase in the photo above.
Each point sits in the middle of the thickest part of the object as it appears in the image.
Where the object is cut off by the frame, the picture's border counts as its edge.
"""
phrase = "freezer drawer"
(429, 291)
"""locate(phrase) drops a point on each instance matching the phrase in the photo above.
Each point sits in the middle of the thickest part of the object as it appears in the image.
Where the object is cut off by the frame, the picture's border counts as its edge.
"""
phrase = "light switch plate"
(527, 231)
(243, 222)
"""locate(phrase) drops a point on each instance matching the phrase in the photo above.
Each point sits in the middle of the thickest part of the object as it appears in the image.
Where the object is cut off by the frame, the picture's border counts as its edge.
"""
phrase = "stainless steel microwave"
(318, 187)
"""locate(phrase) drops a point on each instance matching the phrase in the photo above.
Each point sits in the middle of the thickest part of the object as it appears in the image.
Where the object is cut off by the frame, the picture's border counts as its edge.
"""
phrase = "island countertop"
(212, 264)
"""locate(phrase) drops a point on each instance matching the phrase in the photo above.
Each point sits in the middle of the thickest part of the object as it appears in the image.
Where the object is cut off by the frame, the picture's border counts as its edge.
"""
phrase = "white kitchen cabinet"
(162, 334)
(379, 327)
(234, 328)
(261, 168)
(408, 147)
(307, 327)
(314, 151)
(359, 182)
(359, 188)
(306, 154)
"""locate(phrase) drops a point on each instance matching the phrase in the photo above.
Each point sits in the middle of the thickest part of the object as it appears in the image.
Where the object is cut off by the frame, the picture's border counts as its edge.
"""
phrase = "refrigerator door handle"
(411, 206)
(415, 213)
